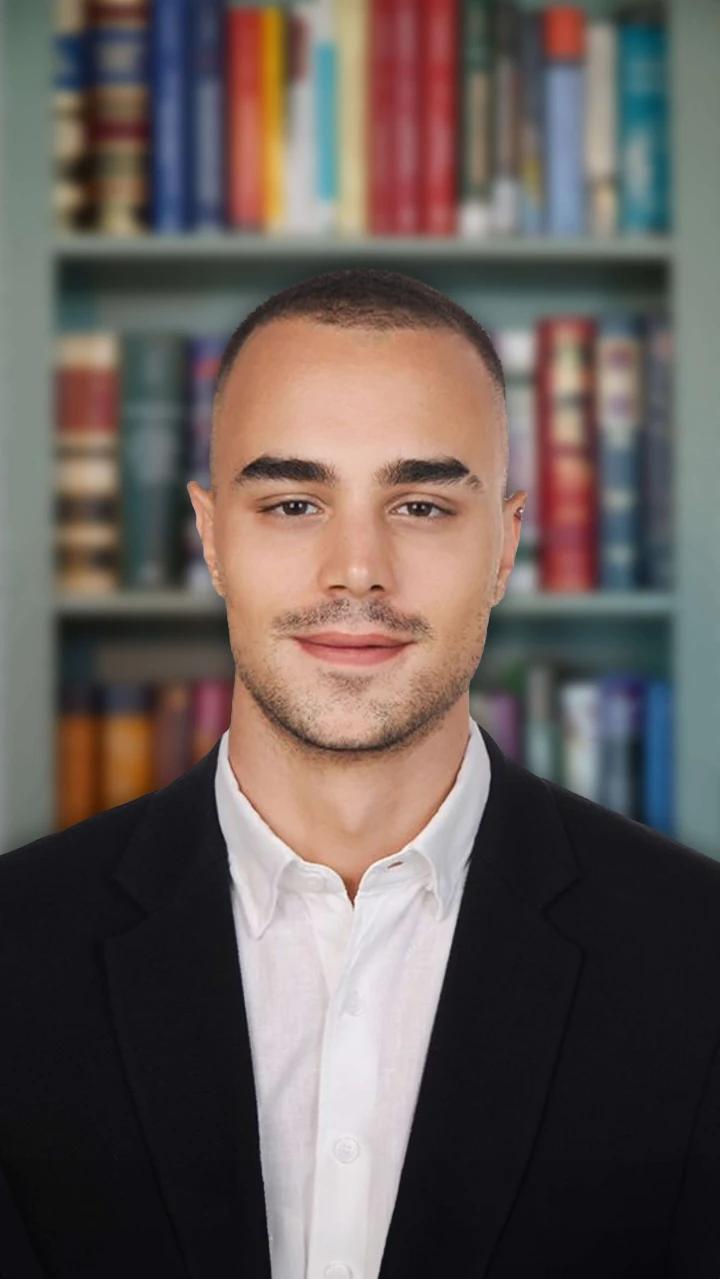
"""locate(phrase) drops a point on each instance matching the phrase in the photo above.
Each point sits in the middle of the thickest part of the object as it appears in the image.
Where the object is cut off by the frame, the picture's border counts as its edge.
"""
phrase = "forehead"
(298, 381)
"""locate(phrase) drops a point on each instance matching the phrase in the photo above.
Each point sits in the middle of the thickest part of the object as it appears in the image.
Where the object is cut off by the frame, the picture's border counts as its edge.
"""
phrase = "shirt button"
(353, 1003)
(346, 1150)
(337, 1270)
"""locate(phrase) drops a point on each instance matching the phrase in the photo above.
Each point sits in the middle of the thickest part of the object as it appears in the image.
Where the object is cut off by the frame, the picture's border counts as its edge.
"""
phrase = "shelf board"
(182, 603)
(229, 245)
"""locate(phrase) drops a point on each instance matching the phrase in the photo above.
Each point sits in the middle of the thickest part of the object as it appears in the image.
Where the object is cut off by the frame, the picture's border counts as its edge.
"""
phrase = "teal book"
(151, 438)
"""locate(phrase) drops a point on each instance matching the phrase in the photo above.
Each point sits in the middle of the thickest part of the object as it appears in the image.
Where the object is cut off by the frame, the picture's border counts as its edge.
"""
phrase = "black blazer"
(568, 1120)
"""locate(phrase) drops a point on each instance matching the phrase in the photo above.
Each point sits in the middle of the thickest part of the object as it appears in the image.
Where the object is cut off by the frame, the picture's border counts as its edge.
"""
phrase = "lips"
(334, 639)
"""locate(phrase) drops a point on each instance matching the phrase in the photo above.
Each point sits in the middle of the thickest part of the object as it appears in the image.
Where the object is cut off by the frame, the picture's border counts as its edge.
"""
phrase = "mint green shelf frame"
(96, 280)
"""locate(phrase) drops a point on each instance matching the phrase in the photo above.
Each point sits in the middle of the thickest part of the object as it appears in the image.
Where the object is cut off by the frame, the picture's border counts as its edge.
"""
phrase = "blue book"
(643, 126)
(621, 747)
(207, 115)
(564, 146)
(658, 803)
(170, 133)
(619, 355)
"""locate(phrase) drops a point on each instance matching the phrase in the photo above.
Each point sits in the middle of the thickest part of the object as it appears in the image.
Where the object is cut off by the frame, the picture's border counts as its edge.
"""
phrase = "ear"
(512, 526)
(203, 502)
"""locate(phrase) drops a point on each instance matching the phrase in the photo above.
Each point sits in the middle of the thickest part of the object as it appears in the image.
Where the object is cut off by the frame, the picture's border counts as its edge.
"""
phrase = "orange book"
(77, 746)
(126, 744)
(244, 119)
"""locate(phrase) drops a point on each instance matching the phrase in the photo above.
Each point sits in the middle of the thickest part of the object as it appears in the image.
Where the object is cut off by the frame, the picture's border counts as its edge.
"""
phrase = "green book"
(153, 410)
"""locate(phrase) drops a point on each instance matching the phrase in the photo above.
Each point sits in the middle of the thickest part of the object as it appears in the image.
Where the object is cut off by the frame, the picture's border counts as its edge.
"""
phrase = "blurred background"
(165, 165)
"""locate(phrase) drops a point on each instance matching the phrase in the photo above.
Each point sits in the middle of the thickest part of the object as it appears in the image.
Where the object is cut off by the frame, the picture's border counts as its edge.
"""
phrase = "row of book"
(374, 117)
(608, 737)
(590, 429)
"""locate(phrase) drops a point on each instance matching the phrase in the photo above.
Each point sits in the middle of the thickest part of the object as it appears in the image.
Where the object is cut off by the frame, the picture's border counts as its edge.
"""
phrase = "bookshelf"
(196, 283)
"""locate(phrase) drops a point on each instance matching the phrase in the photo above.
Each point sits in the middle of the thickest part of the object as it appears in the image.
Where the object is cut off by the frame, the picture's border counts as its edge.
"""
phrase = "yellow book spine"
(273, 22)
(352, 31)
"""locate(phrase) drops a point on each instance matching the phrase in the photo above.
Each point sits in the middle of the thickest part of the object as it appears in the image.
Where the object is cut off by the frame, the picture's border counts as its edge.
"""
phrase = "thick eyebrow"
(402, 470)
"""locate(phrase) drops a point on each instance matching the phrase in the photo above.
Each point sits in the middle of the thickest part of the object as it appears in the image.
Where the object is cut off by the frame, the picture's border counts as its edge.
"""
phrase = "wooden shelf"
(181, 603)
(230, 245)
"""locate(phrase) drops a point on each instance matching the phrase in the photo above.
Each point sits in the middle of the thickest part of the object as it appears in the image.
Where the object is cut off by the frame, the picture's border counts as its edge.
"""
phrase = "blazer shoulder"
(607, 842)
(60, 857)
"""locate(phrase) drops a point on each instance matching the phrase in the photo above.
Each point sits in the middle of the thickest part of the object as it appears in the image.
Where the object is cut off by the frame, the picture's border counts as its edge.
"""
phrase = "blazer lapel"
(179, 1013)
(498, 1028)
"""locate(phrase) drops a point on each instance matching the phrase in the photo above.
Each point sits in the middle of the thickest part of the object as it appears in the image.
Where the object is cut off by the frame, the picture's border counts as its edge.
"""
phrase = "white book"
(601, 153)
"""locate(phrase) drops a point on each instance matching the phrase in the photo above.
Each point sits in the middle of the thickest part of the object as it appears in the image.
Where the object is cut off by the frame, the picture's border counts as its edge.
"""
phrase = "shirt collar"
(260, 862)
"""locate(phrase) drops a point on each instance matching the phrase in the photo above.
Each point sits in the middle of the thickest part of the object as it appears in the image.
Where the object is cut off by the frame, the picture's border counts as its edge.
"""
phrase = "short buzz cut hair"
(367, 298)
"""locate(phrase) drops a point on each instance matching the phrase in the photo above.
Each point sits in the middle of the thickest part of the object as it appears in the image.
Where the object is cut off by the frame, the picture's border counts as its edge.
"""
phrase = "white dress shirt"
(340, 1001)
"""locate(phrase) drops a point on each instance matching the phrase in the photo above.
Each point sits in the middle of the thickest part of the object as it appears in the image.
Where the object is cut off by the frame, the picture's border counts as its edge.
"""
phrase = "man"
(357, 995)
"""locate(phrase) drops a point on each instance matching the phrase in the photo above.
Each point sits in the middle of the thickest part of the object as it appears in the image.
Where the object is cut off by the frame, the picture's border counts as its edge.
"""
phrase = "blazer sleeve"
(17, 1259)
(695, 1240)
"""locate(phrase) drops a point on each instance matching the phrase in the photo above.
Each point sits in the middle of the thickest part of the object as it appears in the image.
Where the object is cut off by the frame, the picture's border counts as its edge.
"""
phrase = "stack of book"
(363, 117)
(590, 424)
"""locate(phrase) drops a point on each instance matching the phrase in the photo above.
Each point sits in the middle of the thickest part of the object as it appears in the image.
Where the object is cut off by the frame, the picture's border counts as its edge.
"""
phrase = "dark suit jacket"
(568, 1120)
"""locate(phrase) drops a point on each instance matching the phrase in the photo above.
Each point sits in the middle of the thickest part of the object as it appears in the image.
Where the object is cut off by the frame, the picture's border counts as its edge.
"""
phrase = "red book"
(379, 107)
(567, 451)
(244, 119)
(405, 127)
(439, 126)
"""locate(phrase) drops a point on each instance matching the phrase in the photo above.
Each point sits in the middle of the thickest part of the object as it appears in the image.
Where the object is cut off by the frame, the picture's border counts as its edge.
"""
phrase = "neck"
(337, 812)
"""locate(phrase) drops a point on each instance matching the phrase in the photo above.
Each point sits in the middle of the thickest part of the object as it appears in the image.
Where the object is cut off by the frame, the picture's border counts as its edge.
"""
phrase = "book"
(600, 138)
(77, 749)
(564, 46)
(408, 145)
(517, 349)
(126, 767)
(439, 118)
(352, 31)
(70, 192)
(567, 448)
(643, 122)
(245, 118)
(619, 380)
(170, 115)
(153, 409)
(203, 354)
(87, 517)
(475, 164)
(119, 115)
(206, 109)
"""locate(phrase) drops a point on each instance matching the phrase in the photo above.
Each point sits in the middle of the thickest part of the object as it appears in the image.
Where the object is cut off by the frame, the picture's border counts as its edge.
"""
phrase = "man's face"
(420, 560)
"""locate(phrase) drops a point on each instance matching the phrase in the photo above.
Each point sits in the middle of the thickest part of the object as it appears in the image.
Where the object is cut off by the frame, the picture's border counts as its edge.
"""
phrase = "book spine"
(564, 133)
(542, 743)
(580, 710)
(272, 133)
(619, 379)
(70, 107)
(474, 167)
(532, 74)
(207, 116)
(659, 769)
(621, 700)
(171, 731)
(77, 748)
(87, 479)
(405, 117)
(381, 78)
(170, 133)
(126, 743)
(244, 119)
(517, 351)
(568, 454)
(658, 470)
(325, 85)
(504, 722)
(153, 386)
(644, 158)
(210, 715)
(439, 117)
(506, 119)
(119, 115)
(204, 355)
(352, 61)
(300, 149)
(601, 151)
